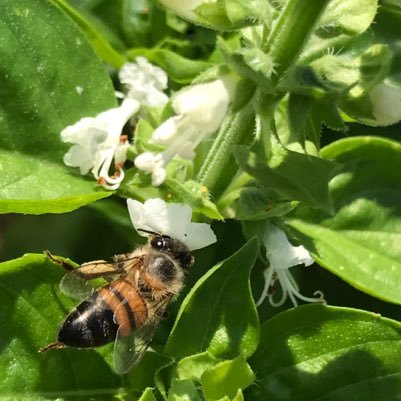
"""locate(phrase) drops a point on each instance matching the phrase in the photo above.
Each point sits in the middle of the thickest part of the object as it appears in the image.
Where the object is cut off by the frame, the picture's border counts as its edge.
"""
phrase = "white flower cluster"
(98, 141)
(200, 110)
(281, 256)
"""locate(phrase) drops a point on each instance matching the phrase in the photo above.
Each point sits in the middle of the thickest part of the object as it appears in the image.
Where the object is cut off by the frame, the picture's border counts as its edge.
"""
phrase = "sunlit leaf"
(360, 242)
(325, 353)
(208, 317)
(53, 78)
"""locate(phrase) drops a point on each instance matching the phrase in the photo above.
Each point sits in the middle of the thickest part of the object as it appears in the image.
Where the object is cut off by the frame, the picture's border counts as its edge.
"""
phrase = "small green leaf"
(360, 242)
(239, 396)
(293, 175)
(208, 317)
(178, 68)
(195, 195)
(192, 367)
(347, 17)
(255, 204)
(226, 378)
(183, 390)
(148, 395)
(251, 64)
(316, 352)
(55, 78)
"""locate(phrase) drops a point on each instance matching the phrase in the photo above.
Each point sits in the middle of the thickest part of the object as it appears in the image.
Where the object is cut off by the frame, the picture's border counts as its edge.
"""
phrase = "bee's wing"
(129, 350)
(77, 283)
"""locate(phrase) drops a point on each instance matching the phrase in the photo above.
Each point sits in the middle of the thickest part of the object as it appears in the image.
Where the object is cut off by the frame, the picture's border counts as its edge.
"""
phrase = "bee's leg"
(56, 345)
(63, 263)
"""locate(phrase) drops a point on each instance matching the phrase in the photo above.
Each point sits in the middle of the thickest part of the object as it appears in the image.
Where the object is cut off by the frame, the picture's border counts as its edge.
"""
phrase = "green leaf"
(192, 367)
(226, 378)
(347, 17)
(55, 78)
(37, 187)
(360, 242)
(255, 204)
(195, 195)
(178, 68)
(239, 396)
(183, 390)
(148, 395)
(35, 308)
(208, 317)
(104, 50)
(251, 64)
(293, 175)
(316, 352)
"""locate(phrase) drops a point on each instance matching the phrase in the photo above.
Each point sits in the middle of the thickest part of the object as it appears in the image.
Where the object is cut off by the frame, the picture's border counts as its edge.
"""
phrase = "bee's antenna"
(147, 231)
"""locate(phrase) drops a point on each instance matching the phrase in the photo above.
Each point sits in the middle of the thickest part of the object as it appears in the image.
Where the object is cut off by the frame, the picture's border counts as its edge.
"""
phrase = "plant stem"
(286, 41)
(291, 31)
(235, 129)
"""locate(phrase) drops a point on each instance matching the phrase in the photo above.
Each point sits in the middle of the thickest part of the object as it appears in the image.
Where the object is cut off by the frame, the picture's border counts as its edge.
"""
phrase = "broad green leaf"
(208, 319)
(316, 352)
(226, 378)
(293, 175)
(33, 309)
(34, 186)
(100, 44)
(178, 68)
(360, 242)
(54, 79)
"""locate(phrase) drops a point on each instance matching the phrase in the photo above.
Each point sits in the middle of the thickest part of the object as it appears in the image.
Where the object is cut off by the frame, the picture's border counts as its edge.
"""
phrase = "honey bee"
(128, 309)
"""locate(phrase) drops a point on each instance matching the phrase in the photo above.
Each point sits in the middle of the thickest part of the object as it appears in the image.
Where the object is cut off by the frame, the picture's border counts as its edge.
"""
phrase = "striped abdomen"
(95, 321)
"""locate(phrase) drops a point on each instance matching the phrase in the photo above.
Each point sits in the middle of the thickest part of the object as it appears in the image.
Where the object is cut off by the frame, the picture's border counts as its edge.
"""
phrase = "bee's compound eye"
(161, 243)
(157, 242)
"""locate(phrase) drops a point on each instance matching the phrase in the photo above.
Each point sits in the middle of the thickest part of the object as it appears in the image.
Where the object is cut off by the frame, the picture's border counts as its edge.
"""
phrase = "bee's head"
(176, 249)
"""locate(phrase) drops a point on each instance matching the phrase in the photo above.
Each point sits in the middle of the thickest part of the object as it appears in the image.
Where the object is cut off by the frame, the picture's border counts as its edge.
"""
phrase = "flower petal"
(199, 235)
(172, 219)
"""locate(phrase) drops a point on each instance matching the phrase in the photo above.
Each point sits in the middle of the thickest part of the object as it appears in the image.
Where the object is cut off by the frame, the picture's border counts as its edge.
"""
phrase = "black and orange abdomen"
(96, 320)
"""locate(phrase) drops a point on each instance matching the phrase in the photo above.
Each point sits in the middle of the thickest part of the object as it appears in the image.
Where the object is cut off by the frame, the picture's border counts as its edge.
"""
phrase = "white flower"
(282, 255)
(172, 219)
(184, 8)
(145, 82)
(200, 110)
(97, 141)
(386, 104)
